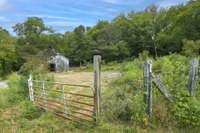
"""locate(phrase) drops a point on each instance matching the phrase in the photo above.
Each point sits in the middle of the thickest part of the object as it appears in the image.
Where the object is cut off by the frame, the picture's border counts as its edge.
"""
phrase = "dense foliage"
(171, 37)
(8, 58)
(159, 31)
(124, 100)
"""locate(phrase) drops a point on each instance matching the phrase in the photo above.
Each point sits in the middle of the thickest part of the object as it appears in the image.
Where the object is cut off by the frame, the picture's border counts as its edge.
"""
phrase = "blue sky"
(64, 15)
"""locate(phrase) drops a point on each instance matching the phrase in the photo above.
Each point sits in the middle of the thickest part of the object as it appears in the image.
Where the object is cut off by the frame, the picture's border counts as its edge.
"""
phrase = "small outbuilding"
(59, 63)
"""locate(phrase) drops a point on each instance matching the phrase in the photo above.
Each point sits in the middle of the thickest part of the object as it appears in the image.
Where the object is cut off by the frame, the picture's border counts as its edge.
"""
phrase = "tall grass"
(123, 108)
(124, 100)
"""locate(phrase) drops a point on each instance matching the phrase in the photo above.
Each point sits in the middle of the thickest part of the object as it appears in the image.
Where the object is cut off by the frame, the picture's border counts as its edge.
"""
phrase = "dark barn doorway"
(52, 67)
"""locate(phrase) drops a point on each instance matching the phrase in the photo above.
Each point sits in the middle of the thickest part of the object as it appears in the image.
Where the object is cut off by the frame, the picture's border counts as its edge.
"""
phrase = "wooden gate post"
(97, 85)
(30, 86)
(193, 76)
(148, 86)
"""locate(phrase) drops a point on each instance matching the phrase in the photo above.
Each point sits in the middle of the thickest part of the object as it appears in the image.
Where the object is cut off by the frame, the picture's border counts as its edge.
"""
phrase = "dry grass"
(84, 78)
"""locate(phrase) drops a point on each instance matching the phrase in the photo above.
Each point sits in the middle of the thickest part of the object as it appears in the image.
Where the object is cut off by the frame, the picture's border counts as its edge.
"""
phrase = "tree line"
(160, 31)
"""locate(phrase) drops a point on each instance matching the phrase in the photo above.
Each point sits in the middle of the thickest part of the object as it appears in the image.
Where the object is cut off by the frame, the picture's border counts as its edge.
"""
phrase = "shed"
(59, 63)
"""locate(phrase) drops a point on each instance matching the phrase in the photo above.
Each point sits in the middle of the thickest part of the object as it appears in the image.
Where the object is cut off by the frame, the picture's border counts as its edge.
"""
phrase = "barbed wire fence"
(151, 79)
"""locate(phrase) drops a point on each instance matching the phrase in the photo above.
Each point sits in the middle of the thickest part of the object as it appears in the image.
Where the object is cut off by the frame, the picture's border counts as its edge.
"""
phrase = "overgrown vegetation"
(125, 102)
(170, 37)
(123, 108)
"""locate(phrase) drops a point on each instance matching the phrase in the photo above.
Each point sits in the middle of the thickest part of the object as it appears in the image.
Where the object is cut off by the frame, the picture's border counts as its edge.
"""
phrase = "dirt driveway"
(85, 78)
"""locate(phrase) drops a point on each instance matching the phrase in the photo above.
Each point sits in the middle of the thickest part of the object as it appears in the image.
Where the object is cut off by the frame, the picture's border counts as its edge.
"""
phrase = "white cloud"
(168, 3)
(65, 23)
(4, 5)
(124, 2)
(3, 19)
(45, 16)
(2, 2)
(87, 12)
(60, 17)
(112, 1)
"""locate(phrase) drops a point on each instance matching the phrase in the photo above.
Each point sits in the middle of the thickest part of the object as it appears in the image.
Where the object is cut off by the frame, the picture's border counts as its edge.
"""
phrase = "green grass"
(24, 117)
(123, 109)
(124, 100)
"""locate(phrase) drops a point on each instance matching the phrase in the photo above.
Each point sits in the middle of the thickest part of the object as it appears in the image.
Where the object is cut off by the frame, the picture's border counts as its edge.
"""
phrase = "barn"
(59, 63)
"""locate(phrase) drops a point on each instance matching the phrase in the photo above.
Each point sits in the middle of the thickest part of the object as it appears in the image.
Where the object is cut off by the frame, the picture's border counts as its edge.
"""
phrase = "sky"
(65, 15)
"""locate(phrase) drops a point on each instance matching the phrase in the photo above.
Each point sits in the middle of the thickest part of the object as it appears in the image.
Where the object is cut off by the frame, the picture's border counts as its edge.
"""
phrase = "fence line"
(148, 86)
(30, 86)
(149, 77)
(193, 76)
(61, 106)
(73, 106)
(97, 85)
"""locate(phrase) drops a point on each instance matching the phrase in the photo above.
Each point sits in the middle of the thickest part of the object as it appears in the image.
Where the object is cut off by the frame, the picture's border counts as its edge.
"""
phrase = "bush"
(124, 101)
(18, 89)
(3, 99)
(191, 48)
(187, 110)
(30, 66)
(174, 75)
(18, 86)
(29, 111)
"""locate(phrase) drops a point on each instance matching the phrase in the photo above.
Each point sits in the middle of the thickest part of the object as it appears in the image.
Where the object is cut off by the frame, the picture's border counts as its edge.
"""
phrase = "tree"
(77, 46)
(32, 37)
(157, 30)
(8, 59)
(32, 26)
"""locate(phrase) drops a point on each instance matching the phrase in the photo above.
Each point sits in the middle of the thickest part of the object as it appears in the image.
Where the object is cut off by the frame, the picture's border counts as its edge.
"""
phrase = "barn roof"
(58, 57)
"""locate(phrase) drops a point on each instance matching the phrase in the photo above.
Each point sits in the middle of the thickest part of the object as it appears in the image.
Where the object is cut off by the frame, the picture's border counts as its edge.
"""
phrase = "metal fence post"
(30, 86)
(193, 76)
(97, 85)
(148, 86)
(44, 95)
(64, 100)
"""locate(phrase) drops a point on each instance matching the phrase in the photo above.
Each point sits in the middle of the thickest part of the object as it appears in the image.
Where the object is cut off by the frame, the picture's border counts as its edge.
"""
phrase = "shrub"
(187, 110)
(18, 89)
(18, 86)
(29, 111)
(30, 65)
(174, 75)
(124, 101)
(191, 48)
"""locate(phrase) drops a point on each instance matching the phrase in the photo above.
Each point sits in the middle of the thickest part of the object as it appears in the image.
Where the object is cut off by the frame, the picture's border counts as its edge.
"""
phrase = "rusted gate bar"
(49, 82)
(74, 94)
(97, 85)
(67, 106)
(64, 100)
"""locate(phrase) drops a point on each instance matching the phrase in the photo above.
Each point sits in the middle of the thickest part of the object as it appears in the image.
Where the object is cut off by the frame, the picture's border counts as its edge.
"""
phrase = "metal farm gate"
(78, 103)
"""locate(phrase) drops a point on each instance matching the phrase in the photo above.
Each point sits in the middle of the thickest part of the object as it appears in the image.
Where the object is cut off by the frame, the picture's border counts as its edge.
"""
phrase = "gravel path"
(3, 84)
